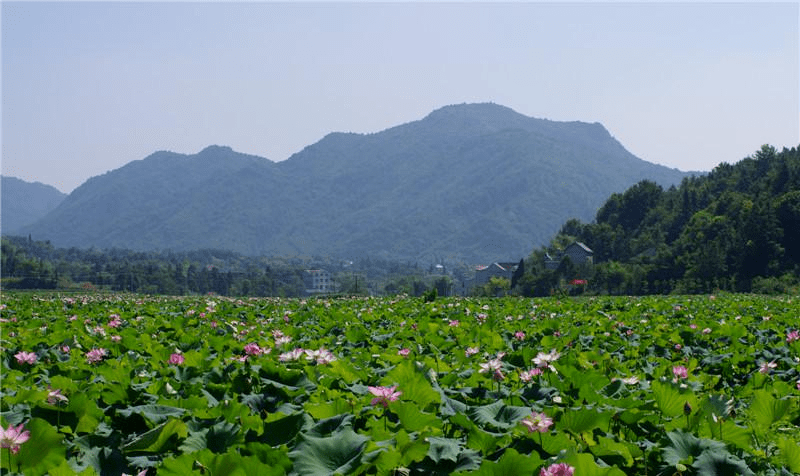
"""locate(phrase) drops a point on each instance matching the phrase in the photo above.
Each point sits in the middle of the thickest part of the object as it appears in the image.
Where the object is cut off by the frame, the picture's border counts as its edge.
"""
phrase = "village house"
(578, 253)
(317, 281)
(483, 273)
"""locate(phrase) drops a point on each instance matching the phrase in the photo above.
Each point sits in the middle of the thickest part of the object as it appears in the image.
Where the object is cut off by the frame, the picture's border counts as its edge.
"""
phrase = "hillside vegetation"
(737, 229)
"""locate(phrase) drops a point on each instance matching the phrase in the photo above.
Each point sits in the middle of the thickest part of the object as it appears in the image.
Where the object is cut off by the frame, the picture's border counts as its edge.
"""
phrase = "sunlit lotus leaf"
(790, 454)
(412, 419)
(154, 441)
(580, 420)
(766, 409)
(614, 452)
(230, 463)
(414, 384)
(671, 399)
(43, 450)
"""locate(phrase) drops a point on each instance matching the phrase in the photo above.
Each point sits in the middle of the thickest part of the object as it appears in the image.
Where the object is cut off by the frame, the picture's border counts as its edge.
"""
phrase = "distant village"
(321, 282)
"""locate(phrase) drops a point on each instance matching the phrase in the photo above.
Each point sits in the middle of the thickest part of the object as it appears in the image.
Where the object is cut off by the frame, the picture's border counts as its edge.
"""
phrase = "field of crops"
(124, 384)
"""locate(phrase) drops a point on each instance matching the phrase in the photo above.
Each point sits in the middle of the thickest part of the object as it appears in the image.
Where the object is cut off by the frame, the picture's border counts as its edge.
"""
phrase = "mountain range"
(24, 202)
(470, 182)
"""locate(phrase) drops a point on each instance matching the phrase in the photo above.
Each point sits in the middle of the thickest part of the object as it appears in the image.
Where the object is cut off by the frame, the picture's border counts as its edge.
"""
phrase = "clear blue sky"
(88, 87)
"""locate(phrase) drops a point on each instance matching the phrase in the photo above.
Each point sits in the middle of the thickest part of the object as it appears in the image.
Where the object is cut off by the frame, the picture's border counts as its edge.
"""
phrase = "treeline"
(30, 264)
(736, 229)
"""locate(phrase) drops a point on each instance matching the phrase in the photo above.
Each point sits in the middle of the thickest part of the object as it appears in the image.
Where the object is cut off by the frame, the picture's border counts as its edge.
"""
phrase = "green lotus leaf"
(230, 463)
(283, 429)
(155, 440)
(581, 420)
(443, 449)
(585, 465)
(790, 454)
(154, 413)
(338, 454)
(42, 451)
(611, 451)
(684, 447)
(671, 399)
(498, 415)
(511, 463)
(329, 426)
(766, 409)
(711, 463)
(412, 419)
(414, 384)
(447, 456)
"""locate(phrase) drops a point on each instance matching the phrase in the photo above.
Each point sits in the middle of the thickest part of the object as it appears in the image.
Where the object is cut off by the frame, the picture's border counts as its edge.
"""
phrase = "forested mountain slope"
(737, 228)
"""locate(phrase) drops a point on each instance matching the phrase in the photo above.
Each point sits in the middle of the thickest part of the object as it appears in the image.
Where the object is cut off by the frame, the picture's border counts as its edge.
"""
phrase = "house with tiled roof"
(578, 253)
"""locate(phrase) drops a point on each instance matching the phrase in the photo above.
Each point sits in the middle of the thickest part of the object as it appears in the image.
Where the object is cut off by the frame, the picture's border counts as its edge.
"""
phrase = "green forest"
(735, 229)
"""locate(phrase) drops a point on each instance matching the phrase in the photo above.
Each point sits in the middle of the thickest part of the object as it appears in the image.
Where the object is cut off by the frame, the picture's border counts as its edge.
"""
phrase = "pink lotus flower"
(767, 366)
(280, 340)
(527, 375)
(140, 473)
(519, 335)
(537, 422)
(96, 355)
(404, 352)
(321, 356)
(679, 371)
(55, 397)
(176, 359)
(384, 395)
(454, 323)
(490, 366)
(543, 360)
(792, 336)
(253, 349)
(115, 321)
(13, 437)
(471, 351)
(25, 357)
(292, 355)
(558, 469)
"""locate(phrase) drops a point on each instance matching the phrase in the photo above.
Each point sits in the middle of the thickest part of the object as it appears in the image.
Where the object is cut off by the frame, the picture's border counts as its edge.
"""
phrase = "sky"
(90, 86)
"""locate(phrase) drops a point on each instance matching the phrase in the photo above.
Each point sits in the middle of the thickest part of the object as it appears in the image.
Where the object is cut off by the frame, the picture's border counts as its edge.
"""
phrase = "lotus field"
(124, 384)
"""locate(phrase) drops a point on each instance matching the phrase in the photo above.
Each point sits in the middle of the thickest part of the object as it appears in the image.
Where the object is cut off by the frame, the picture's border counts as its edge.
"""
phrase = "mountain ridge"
(25, 202)
(470, 182)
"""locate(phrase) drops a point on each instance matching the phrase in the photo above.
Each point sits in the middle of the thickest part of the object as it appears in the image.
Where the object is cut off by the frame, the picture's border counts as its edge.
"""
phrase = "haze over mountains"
(474, 182)
(23, 202)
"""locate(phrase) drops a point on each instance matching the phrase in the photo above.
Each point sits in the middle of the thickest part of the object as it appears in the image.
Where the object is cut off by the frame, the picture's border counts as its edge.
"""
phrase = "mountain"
(472, 182)
(22, 203)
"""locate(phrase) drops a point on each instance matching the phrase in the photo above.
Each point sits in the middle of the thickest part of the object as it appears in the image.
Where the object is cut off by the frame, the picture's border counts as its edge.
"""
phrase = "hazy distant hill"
(23, 203)
(471, 182)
